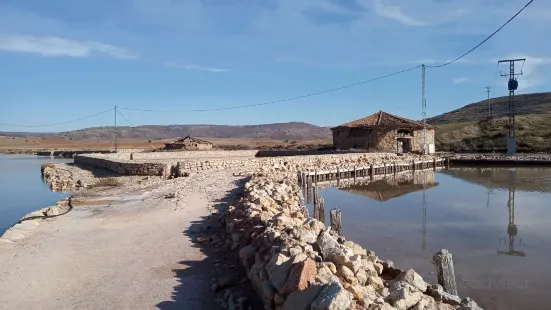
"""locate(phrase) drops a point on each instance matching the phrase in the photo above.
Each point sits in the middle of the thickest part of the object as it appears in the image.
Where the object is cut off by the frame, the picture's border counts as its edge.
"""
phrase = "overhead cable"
(55, 124)
(126, 119)
(488, 38)
(277, 101)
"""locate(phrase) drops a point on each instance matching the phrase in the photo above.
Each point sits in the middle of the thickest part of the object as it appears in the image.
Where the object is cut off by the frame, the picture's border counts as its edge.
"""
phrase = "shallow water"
(22, 189)
(465, 211)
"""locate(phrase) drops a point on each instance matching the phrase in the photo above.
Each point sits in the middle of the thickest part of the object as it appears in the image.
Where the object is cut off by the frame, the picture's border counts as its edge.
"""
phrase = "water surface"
(22, 189)
(495, 222)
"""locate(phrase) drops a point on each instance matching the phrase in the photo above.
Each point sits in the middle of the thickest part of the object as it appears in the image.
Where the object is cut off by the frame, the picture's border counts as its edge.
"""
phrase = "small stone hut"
(189, 143)
(383, 132)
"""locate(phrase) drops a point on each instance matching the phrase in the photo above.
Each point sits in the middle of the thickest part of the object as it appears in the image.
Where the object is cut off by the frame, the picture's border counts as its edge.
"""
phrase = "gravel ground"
(126, 247)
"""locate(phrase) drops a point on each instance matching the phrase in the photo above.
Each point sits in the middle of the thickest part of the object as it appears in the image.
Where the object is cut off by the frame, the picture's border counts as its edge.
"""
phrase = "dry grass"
(533, 135)
(106, 182)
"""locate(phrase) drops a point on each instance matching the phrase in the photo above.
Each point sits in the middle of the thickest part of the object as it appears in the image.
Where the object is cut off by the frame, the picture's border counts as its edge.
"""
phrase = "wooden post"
(321, 210)
(315, 195)
(434, 163)
(414, 165)
(309, 191)
(354, 174)
(338, 174)
(336, 220)
(316, 176)
(448, 163)
(445, 272)
(371, 171)
(395, 169)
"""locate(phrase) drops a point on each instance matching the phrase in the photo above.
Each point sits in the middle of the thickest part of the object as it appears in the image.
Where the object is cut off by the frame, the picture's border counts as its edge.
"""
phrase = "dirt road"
(122, 248)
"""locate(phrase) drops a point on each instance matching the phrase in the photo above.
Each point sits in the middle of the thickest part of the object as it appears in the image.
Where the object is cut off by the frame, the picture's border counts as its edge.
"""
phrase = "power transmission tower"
(115, 133)
(512, 86)
(489, 90)
(425, 149)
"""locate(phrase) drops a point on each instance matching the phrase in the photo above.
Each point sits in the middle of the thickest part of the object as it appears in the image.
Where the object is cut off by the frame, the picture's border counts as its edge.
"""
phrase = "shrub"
(112, 182)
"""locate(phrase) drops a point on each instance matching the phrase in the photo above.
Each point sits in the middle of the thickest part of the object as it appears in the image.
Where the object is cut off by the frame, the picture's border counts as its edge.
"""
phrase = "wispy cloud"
(384, 9)
(195, 67)
(460, 80)
(60, 47)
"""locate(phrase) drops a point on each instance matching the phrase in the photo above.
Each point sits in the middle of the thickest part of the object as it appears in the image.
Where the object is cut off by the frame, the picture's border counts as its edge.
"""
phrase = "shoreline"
(273, 196)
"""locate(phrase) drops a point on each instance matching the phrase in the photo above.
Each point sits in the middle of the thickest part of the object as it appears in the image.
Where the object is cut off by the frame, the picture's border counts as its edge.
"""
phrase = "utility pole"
(424, 103)
(512, 86)
(116, 147)
(489, 90)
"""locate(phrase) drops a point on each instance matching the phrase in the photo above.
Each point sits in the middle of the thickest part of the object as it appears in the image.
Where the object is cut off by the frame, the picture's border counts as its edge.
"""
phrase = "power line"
(277, 101)
(488, 38)
(126, 119)
(55, 124)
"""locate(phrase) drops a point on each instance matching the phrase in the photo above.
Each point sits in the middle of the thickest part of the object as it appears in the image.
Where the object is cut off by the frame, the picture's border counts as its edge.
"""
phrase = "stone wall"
(310, 163)
(168, 167)
(124, 167)
(382, 140)
(377, 140)
(295, 262)
(418, 139)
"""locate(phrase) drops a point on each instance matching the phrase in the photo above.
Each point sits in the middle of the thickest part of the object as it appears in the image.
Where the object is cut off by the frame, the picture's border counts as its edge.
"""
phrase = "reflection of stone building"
(383, 132)
(392, 186)
(189, 143)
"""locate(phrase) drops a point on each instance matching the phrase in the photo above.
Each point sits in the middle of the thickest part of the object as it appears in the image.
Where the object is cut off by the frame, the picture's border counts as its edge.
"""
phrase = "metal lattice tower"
(512, 85)
(489, 90)
(424, 108)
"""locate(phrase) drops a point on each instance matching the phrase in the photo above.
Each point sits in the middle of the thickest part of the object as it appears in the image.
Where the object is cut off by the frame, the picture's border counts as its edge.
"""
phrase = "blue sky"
(65, 59)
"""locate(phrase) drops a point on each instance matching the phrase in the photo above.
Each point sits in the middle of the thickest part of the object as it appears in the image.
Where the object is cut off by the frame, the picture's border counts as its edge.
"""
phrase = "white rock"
(26, 225)
(332, 297)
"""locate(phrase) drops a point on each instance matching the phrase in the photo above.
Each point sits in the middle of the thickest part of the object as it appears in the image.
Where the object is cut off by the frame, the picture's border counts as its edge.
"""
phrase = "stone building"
(383, 132)
(189, 143)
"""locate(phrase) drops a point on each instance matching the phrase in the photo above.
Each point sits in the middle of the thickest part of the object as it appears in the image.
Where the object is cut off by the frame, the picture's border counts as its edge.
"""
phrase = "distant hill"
(468, 130)
(537, 103)
(278, 131)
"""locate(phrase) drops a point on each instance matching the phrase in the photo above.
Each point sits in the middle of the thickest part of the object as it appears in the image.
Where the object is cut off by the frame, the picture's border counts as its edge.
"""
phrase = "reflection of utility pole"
(490, 190)
(512, 86)
(512, 229)
(424, 244)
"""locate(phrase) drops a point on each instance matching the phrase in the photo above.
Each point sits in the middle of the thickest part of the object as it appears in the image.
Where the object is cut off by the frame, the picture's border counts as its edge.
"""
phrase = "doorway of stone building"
(403, 145)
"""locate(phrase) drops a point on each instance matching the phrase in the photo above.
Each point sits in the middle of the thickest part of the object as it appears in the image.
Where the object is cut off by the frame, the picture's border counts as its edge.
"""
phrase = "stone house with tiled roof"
(383, 132)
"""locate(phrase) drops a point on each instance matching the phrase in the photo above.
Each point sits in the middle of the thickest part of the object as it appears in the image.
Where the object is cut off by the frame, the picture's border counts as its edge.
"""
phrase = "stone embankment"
(182, 163)
(501, 160)
(295, 262)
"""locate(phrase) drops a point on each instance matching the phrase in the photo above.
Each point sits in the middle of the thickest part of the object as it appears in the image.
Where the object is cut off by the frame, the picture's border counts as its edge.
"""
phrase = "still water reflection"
(22, 189)
(496, 223)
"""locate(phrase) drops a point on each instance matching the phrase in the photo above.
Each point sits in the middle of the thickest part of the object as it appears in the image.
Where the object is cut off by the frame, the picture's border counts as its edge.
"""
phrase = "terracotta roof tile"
(384, 120)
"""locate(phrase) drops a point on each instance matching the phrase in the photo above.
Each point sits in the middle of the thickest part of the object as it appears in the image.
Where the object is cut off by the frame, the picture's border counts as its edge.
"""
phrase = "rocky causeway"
(210, 236)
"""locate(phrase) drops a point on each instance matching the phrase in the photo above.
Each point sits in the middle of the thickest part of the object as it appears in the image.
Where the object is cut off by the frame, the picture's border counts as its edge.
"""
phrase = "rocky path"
(127, 247)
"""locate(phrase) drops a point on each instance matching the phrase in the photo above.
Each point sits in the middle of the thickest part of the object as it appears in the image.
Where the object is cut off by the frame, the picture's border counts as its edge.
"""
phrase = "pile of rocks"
(59, 179)
(295, 262)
